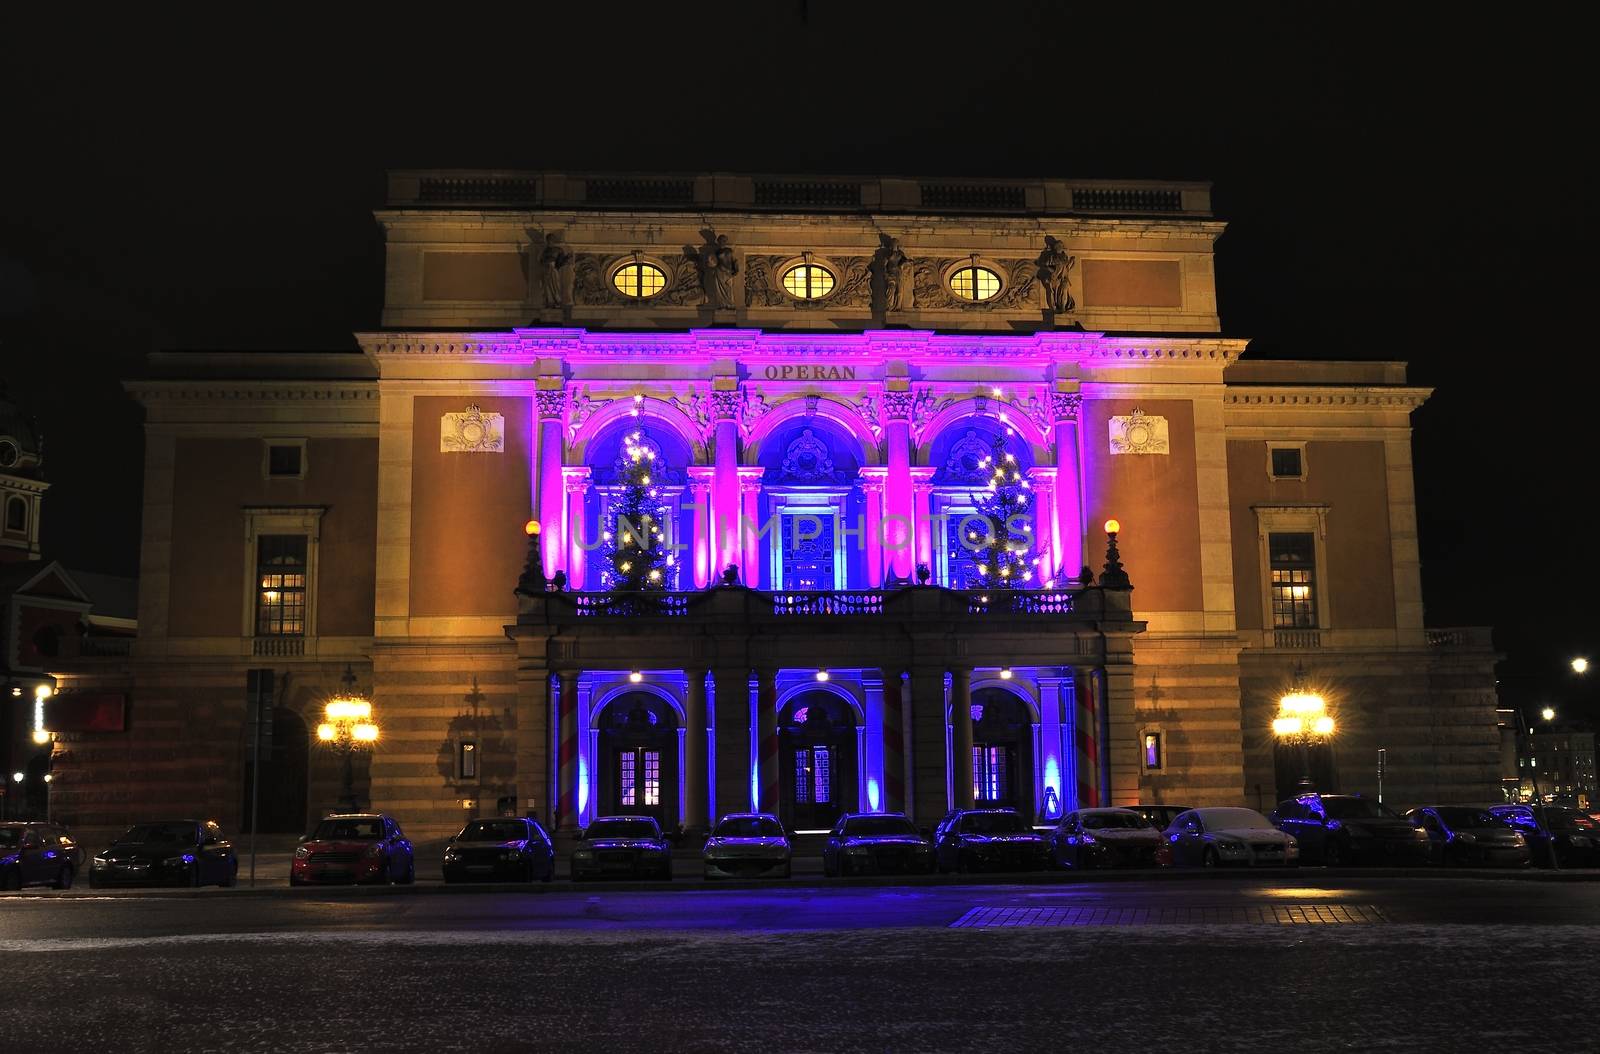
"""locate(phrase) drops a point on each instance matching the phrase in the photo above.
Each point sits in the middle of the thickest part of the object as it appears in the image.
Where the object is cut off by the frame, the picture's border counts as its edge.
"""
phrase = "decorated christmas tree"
(634, 543)
(1003, 557)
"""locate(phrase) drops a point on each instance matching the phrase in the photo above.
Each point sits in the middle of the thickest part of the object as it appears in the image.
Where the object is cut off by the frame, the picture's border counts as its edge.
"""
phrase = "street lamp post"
(1302, 721)
(349, 727)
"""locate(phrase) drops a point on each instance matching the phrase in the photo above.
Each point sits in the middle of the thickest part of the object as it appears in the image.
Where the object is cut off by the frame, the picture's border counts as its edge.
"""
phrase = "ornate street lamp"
(349, 727)
(1302, 721)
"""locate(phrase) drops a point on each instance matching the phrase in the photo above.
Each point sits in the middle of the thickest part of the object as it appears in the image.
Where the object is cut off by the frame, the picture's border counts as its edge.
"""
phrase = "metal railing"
(824, 603)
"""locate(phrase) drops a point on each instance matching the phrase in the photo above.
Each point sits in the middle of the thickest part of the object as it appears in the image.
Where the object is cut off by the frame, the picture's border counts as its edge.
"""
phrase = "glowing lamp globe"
(327, 733)
(531, 528)
(364, 733)
(1113, 527)
(1287, 726)
(40, 736)
(1548, 714)
(1580, 665)
(1322, 726)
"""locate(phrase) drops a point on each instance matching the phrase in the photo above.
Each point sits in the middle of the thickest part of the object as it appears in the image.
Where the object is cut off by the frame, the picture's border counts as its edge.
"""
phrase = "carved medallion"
(472, 432)
(1139, 434)
(807, 459)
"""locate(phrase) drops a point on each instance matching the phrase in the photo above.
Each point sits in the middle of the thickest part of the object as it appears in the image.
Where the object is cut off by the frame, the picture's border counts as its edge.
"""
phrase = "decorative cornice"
(1325, 398)
(241, 391)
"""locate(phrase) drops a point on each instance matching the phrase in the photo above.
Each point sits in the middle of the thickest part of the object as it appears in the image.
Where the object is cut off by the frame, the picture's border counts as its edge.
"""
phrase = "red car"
(354, 847)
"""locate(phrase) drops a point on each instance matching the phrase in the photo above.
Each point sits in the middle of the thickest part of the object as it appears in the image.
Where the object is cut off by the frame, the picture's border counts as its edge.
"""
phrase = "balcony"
(904, 601)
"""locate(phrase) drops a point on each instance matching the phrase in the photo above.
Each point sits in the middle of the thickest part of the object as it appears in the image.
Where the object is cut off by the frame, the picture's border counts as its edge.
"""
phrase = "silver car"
(1217, 836)
(748, 845)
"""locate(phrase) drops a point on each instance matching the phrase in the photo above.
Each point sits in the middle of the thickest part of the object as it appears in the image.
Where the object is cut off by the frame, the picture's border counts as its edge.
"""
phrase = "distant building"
(820, 368)
(1560, 768)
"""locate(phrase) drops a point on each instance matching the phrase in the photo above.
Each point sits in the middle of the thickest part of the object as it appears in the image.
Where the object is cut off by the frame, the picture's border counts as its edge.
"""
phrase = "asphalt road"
(1308, 960)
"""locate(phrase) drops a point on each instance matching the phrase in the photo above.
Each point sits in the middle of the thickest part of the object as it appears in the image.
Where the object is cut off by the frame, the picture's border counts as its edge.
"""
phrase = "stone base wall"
(1186, 689)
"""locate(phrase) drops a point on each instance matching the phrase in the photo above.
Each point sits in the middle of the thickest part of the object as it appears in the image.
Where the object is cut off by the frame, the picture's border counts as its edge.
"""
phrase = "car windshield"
(176, 833)
(1102, 821)
(878, 826)
(992, 823)
(748, 827)
(1354, 809)
(1230, 819)
(348, 830)
(494, 831)
(622, 829)
(1465, 819)
(10, 836)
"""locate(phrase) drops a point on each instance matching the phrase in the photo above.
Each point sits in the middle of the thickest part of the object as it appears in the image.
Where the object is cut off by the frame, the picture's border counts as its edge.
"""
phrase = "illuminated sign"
(802, 372)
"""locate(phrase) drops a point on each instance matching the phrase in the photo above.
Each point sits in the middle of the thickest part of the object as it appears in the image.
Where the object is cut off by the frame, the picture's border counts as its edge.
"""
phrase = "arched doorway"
(1002, 752)
(816, 761)
(637, 770)
(281, 803)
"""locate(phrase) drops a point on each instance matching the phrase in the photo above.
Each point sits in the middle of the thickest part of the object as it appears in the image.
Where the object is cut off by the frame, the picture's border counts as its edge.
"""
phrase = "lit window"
(974, 283)
(808, 281)
(1152, 750)
(652, 777)
(1293, 566)
(469, 760)
(639, 280)
(281, 589)
(626, 778)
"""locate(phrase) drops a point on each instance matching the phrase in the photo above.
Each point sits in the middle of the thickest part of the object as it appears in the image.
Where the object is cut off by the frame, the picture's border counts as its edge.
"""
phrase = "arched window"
(639, 280)
(16, 514)
(974, 282)
(808, 281)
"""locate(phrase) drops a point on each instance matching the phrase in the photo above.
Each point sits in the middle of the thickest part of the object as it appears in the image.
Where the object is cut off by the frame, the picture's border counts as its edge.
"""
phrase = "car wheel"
(64, 877)
(1332, 854)
(410, 877)
(1209, 858)
(829, 868)
(788, 870)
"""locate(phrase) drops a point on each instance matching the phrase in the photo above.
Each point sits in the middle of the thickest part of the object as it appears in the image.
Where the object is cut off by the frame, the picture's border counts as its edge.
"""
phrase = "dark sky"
(1395, 189)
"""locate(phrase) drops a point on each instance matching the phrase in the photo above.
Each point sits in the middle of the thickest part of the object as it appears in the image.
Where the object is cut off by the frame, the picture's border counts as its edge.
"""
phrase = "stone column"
(1069, 486)
(873, 482)
(568, 772)
(894, 746)
(701, 550)
(725, 488)
(961, 737)
(922, 514)
(576, 482)
(533, 743)
(929, 792)
(550, 501)
(1086, 725)
(1042, 483)
(750, 525)
(899, 553)
(695, 812)
(767, 739)
(1120, 769)
(732, 702)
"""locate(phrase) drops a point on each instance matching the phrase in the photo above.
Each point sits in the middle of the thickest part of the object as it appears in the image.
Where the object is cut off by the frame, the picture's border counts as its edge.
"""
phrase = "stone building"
(819, 368)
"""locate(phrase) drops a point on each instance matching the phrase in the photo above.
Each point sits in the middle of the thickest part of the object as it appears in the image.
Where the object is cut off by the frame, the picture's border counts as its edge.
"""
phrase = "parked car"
(514, 849)
(989, 840)
(1161, 816)
(36, 854)
(1335, 829)
(747, 845)
(167, 853)
(876, 843)
(1575, 835)
(1460, 834)
(354, 847)
(1213, 837)
(1107, 838)
(622, 847)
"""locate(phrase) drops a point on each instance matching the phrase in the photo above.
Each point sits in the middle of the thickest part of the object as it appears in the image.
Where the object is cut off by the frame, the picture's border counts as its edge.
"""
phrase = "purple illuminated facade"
(821, 388)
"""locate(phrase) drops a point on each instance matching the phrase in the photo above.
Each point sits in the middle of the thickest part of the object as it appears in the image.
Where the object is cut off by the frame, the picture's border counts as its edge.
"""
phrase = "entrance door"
(817, 762)
(638, 761)
(281, 806)
(809, 562)
(1002, 752)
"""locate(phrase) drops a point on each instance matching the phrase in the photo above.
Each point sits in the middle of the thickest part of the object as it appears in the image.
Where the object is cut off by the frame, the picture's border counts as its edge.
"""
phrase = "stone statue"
(554, 269)
(1051, 272)
(717, 266)
(895, 272)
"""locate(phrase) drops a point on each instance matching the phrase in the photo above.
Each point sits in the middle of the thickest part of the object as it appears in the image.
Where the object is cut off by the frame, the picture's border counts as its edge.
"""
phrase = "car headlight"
(374, 850)
(8, 860)
(583, 854)
(101, 861)
(302, 853)
(511, 854)
(173, 861)
(1468, 839)
(856, 850)
(1228, 845)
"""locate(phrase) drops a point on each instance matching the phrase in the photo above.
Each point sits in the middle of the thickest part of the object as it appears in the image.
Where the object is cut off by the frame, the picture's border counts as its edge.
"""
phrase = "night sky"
(210, 185)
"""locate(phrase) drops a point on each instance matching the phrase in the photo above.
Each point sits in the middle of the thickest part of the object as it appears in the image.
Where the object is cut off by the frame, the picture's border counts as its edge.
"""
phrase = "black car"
(1161, 816)
(876, 843)
(1335, 829)
(622, 847)
(167, 853)
(989, 840)
(1107, 838)
(1575, 835)
(1462, 834)
(37, 854)
(516, 849)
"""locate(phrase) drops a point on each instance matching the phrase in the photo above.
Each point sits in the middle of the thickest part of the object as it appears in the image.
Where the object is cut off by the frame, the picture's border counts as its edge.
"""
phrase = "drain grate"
(1258, 914)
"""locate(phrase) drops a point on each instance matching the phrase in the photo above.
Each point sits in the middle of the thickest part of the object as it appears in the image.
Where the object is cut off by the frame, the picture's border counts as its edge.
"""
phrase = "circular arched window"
(639, 279)
(974, 282)
(808, 281)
